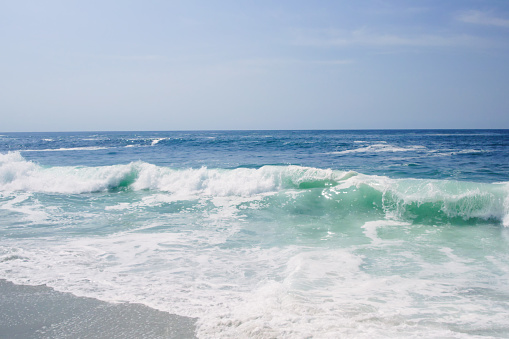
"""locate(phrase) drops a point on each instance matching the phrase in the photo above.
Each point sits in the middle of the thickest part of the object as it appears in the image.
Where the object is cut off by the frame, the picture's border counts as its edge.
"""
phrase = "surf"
(329, 191)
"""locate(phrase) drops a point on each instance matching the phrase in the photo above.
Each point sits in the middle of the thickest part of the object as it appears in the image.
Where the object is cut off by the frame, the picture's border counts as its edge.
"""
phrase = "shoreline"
(41, 312)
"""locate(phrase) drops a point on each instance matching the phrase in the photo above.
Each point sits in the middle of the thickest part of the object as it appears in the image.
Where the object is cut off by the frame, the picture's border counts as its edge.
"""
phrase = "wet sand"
(41, 312)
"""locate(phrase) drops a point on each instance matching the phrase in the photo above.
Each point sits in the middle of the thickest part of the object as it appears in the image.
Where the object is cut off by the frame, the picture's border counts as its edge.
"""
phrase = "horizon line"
(264, 130)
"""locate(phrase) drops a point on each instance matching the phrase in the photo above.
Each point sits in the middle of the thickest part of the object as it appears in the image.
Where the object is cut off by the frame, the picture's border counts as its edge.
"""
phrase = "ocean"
(266, 234)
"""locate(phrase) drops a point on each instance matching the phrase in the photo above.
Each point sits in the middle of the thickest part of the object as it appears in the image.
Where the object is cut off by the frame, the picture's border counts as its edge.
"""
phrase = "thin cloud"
(482, 18)
(290, 61)
(397, 10)
(334, 62)
(365, 38)
(127, 57)
(135, 57)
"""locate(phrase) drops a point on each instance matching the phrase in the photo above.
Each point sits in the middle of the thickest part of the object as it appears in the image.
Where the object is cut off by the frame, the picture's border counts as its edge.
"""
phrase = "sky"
(89, 65)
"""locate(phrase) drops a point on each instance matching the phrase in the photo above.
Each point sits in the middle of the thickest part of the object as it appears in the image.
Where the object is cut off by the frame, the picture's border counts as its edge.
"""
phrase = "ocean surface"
(261, 234)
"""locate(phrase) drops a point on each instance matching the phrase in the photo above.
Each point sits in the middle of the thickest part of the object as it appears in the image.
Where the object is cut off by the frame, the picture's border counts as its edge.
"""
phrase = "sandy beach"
(41, 312)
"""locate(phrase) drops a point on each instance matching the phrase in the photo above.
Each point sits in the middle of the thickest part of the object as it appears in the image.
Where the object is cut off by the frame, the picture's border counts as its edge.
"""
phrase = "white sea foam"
(371, 229)
(471, 151)
(238, 182)
(156, 141)
(381, 147)
(270, 292)
(259, 291)
(90, 148)
(32, 212)
(505, 220)
(455, 199)
(17, 174)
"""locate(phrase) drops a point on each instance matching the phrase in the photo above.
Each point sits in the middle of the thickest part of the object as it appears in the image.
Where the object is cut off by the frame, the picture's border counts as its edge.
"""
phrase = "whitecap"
(156, 141)
(382, 147)
(63, 149)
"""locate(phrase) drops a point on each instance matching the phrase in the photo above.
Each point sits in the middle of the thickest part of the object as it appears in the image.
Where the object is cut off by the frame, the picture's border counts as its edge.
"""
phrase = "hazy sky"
(186, 65)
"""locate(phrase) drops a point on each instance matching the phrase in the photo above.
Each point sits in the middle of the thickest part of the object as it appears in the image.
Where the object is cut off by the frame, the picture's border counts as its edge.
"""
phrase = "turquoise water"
(269, 233)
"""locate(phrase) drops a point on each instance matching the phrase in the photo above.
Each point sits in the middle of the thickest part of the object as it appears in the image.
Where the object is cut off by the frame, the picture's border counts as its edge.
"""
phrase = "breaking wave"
(330, 191)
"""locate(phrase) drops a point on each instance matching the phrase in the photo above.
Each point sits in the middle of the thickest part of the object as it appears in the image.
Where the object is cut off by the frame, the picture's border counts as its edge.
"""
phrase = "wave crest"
(18, 174)
(325, 191)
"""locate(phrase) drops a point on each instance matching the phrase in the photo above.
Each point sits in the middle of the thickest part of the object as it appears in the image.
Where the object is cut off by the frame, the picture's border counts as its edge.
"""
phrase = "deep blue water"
(475, 155)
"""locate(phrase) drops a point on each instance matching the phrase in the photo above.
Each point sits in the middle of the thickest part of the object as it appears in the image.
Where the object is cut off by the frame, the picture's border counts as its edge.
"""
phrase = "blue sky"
(193, 65)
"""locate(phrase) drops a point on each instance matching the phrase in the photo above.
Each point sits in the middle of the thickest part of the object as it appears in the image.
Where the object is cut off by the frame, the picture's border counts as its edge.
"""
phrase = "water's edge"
(40, 311)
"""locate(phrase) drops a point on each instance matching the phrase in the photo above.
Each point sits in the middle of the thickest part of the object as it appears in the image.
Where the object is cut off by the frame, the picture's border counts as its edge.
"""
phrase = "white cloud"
(482, 18)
